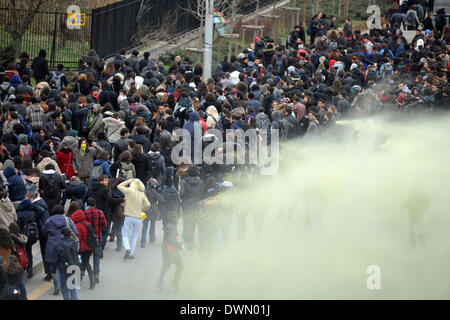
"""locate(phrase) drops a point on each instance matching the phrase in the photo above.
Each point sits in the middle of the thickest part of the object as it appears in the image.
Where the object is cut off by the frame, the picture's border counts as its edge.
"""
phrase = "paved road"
(119, 279)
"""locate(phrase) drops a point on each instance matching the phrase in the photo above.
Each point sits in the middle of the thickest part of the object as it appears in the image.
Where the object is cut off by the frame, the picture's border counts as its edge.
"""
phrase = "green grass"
(32, 42)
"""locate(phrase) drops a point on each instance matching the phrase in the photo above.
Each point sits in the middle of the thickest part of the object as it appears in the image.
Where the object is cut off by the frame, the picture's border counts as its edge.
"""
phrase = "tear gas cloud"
(333, 210)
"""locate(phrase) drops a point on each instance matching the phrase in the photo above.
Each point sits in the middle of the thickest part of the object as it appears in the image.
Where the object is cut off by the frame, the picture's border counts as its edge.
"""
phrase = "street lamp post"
(208, 45)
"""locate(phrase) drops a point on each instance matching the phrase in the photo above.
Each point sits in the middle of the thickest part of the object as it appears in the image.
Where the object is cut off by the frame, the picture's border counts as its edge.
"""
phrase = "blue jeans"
(131, 228)
(96, 260)
(105, 232)
(57, 277)
(119, 225)
(22, 288)
(151, 232)
(68, 294)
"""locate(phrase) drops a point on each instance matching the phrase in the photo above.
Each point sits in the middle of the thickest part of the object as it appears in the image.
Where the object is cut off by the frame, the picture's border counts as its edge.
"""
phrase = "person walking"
(98, 221)
(85, 251)
(135, 203)
(66, 254)
(52, 229)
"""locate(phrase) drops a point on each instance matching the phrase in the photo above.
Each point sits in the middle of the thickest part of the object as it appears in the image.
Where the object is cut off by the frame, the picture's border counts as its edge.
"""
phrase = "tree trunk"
(318, 5)
(256, 18)
(334, 7)
(339, 7)
(17, 44)
(305, 8)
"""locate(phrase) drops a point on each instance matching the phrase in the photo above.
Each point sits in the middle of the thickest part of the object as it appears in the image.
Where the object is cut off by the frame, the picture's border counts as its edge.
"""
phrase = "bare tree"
(232, 7)
(197, 8)
(22, 13)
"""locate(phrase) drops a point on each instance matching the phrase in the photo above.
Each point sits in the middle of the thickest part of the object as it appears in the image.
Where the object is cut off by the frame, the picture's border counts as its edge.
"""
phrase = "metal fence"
(108, 29)
(49, 31)
(114, 26)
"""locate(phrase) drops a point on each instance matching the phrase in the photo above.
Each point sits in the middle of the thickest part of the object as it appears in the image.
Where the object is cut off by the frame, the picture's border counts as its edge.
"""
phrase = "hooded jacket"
(211, 111)
(25, 213)
(79, 218)
(135, 200)
(191, 192)
(83, 162)
(77, 191)
(46, 161)
(16, 187)
(52, 229)
(7, 213)
(156, 157)
(113, 128)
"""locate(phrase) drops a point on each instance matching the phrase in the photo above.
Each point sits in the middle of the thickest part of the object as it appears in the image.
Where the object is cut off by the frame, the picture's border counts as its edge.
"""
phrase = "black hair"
(90, 202)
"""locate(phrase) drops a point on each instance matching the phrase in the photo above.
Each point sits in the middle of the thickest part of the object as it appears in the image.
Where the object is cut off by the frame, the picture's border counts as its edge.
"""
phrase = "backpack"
(72, 234)
(4, 94)
(70, 259)
(25, 152)
(52, 190)
(57, 78)
(96, 172)
(154, 168)
(410, 18)
(121, 211)
(127, 173)
(92, 240)
(278, 67)
(31, 230)
(9, 292)
(21, 255)
(263, 123)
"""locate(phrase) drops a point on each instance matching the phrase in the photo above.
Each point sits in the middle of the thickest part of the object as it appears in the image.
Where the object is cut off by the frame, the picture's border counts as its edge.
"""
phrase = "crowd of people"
(88, 159)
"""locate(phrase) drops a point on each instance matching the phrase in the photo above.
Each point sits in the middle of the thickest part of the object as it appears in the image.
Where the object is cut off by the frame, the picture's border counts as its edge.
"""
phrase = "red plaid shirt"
(97, 219)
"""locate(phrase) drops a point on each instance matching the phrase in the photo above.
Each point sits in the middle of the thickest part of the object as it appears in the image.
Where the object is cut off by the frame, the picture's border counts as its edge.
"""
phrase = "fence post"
(53, 51)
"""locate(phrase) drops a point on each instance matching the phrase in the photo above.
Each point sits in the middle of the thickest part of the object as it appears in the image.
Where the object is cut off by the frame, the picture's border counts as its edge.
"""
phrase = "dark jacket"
(153, 197)
(16, 187)
(40, 66)
(77, 191)
(41, 212)
(142, 140)
(142, 166)
(103, 199)
(52, 228)
(158, 159)
(116, 194)
(108, 96)
(67, 246)
(25, 213)
(191, 192)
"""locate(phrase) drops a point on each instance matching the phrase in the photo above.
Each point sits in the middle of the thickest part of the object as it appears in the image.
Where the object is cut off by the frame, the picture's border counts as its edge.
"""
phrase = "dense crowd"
(100, 143)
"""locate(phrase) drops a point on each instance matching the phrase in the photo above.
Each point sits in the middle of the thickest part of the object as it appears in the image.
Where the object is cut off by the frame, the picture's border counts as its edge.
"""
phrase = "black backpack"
(31, 230)
(70, 259)
(4, 94)
(9, 291)
(154, 168)
(52, 190)
(93, 240)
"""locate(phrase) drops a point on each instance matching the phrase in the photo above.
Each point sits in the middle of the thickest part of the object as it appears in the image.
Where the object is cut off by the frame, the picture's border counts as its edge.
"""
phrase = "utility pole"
(208, 43)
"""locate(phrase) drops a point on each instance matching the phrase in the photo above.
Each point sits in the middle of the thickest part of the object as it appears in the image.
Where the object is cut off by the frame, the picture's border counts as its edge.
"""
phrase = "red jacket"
(97, 219)
(79, 217)
(64, 160)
